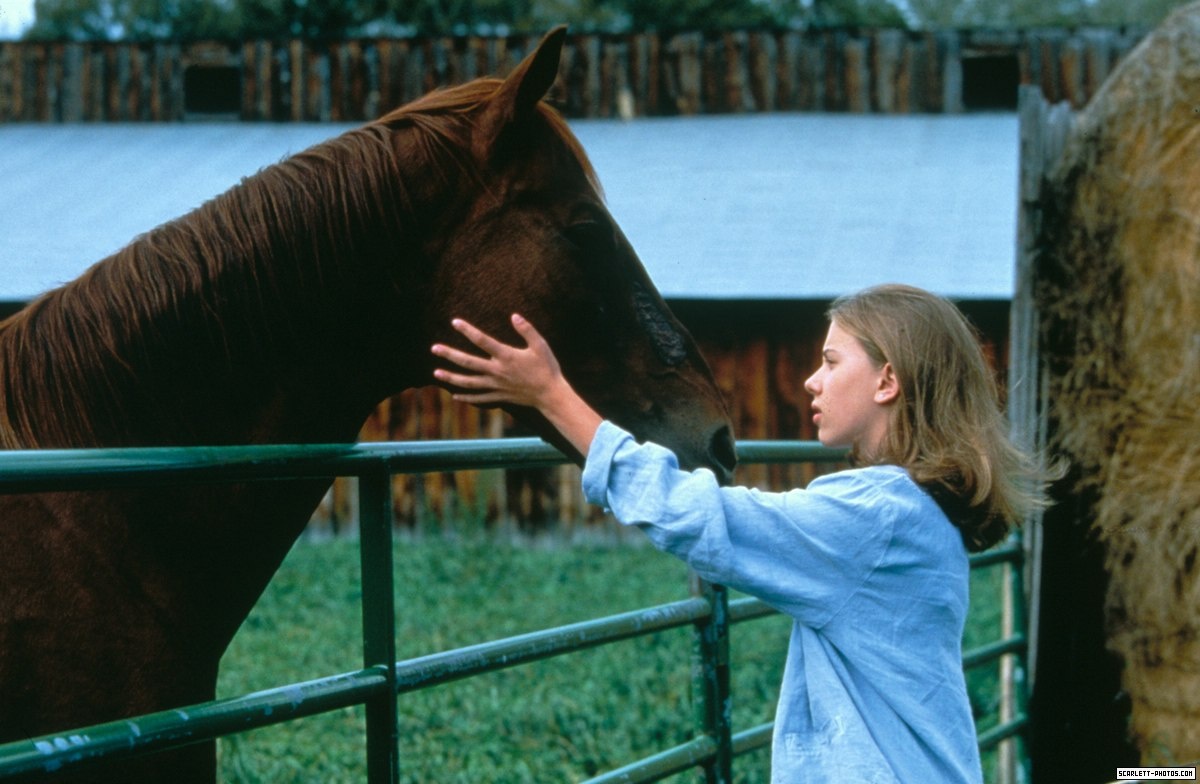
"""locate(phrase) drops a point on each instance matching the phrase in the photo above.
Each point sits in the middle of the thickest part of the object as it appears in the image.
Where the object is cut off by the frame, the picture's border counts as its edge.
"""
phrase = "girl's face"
(851, 396)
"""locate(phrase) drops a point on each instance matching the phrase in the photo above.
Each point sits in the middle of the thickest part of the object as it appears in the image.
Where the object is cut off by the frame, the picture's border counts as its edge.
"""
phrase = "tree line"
(184, 20)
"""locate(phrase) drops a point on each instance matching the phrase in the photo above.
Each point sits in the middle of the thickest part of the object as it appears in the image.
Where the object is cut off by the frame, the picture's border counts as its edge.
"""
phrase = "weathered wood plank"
(857, 79)
(7, 52)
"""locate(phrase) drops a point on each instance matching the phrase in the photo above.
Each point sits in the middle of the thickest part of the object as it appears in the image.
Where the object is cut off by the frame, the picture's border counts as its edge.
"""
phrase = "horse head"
(540, 225)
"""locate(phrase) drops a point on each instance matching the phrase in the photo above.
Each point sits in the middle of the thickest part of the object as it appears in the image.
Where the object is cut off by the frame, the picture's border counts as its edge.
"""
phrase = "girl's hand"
(507, 374)
(527, 376)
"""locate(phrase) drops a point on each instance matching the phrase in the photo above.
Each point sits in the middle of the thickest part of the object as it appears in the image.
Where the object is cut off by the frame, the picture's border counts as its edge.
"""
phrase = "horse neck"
(248, 320)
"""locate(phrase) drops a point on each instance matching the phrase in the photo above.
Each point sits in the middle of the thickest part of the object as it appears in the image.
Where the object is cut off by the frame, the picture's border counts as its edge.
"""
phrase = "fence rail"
(382, 678)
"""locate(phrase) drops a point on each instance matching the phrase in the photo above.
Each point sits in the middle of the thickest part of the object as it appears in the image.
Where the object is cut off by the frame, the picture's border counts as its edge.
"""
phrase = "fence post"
(1014, 689)
(710, 679)
(379, 619)
(1043, 133)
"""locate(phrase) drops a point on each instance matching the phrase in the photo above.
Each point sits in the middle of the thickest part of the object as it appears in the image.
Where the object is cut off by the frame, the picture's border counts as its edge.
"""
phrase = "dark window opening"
(212, 89)
(990, 82)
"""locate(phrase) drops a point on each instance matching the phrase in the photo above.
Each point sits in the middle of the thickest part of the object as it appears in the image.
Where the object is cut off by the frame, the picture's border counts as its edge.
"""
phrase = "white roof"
(775, 206)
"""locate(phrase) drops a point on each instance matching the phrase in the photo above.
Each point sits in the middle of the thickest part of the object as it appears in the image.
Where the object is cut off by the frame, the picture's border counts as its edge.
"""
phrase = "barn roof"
(778, 206)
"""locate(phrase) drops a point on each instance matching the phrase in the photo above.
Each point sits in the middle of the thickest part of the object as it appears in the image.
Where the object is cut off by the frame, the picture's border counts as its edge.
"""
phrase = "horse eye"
(590, 235)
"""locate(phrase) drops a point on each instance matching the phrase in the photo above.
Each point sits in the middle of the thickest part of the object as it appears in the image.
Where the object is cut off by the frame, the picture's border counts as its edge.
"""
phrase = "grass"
(563, 719)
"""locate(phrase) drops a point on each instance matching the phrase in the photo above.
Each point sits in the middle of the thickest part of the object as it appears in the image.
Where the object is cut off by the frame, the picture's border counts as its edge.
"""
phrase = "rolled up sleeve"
(803, 552)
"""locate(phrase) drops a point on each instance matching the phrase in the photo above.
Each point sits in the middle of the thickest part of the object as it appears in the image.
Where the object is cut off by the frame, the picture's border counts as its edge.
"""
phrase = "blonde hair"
(947, 427)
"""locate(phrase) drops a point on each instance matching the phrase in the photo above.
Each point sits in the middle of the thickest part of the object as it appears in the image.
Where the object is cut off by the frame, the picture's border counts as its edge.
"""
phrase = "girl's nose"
(810, 384)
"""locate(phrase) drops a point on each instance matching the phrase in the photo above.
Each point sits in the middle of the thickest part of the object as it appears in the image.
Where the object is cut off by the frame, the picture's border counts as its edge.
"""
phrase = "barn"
(748, 224)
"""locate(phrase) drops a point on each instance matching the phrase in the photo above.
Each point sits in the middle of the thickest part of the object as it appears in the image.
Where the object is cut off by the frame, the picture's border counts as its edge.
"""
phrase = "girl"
(870, 563)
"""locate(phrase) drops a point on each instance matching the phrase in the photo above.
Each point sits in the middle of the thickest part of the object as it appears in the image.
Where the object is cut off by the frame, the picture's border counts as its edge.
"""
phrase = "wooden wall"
(859, 70)
(760, 353)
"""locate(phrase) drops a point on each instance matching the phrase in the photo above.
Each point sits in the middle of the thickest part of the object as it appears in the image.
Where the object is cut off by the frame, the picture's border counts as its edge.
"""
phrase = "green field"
(564, 719)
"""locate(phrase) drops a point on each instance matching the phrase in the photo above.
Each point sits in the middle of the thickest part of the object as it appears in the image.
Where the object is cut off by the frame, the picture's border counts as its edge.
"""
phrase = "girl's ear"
(887, 387)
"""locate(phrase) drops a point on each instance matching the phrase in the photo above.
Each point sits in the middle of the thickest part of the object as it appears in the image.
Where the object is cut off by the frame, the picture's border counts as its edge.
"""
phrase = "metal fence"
(379, 683)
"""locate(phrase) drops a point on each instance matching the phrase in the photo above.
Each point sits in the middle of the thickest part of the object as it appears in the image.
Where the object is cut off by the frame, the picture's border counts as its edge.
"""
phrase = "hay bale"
(1119, 286)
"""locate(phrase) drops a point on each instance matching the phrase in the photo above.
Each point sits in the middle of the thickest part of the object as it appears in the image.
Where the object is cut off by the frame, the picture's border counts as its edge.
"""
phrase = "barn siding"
(859, 70)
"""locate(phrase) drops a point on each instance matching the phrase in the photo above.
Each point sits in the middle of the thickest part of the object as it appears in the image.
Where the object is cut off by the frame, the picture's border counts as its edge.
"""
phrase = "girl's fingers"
(480, 398)
(477, 336)
(504, 375)
(525, 329)
(461, 358)
(464, 381)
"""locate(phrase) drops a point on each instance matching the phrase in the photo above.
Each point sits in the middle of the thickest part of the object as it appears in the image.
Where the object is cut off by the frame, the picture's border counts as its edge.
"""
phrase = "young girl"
(870, 563)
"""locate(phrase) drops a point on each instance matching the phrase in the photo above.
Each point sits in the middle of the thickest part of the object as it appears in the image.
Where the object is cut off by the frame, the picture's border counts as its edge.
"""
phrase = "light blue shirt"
(875, 578)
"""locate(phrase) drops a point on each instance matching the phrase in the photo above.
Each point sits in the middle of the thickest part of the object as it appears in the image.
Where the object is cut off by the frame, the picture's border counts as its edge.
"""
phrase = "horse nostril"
(723, 454)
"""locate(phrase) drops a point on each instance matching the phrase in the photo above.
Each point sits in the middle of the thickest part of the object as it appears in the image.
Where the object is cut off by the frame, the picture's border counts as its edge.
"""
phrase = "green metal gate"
(381, 680)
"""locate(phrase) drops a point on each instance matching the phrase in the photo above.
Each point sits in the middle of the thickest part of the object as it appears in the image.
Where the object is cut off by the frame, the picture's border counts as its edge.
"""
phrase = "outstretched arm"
(527, 376)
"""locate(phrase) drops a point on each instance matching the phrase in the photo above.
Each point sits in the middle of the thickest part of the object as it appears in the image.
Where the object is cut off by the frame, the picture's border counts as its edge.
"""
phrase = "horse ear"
(518, 96)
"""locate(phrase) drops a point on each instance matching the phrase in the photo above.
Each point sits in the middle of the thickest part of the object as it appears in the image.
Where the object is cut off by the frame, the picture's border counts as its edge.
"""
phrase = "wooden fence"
(853, 70)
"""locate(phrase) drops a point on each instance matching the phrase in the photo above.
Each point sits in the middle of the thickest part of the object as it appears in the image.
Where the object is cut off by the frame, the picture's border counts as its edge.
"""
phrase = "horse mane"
(102, 359)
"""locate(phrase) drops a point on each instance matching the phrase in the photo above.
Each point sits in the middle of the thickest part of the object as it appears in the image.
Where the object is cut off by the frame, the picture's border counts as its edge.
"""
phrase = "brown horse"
(283, 311)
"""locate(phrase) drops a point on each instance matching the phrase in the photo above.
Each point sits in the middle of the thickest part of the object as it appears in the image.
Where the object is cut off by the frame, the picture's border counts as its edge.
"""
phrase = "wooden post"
(786, 61)
(889, 44)
(355, 98)
(1072, 62)
(950, 52)
(833, 56)
(6, 85)
(686, 51)
(1099, 60)
(294, 83)
(248, 84)
(611, 72)
(132, 92)
(265, 61)
(337, 83)
(318, 98)
(857, 77)
(589, 51)
(93, 86)
(391, 74)
(162, 63)
(372, 94)
(1043, 132)
(1047, 50)
(41, 83)
(811, 76)
(643, 78)
(74, 72)
(414, 72)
